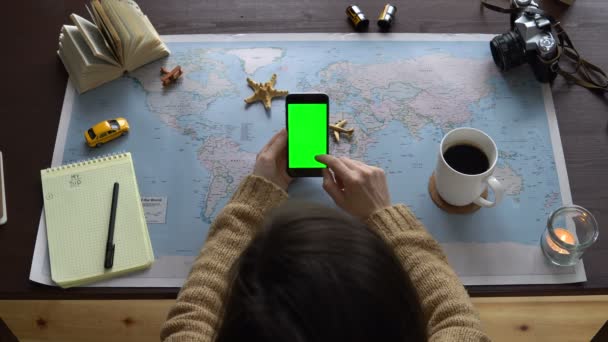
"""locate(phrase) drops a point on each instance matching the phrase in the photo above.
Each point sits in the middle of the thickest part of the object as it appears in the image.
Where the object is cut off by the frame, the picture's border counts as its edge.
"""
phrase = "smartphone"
(2, 196)
(307, 121)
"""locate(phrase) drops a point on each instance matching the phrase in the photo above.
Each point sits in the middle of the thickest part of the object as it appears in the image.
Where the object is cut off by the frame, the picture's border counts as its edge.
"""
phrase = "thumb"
(330, 186)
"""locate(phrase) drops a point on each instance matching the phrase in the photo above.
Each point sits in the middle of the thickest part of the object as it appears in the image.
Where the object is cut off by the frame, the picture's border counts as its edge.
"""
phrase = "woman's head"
(314, 274)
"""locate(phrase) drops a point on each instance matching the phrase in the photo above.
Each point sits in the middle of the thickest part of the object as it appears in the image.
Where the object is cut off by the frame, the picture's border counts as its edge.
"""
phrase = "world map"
(194, 141)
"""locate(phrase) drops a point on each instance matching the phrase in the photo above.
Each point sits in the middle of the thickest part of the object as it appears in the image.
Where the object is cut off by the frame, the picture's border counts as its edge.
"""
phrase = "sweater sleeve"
(446, 306)
(195, 314)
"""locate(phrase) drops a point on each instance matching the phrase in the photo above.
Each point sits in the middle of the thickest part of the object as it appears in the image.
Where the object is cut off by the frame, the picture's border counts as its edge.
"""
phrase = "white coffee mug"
(460, 189)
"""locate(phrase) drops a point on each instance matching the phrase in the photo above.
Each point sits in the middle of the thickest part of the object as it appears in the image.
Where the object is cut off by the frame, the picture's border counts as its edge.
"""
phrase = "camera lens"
(508, 50)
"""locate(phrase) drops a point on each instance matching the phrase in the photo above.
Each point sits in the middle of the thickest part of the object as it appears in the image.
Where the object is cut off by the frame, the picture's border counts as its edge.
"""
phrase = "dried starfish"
(264, 91)
(339, 128)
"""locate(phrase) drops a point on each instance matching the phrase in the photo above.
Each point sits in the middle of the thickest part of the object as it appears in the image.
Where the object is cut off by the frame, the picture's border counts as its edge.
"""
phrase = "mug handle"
(497, 188)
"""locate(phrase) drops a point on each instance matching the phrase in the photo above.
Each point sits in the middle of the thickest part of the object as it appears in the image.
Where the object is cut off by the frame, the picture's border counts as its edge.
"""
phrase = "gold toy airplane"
(338, 128)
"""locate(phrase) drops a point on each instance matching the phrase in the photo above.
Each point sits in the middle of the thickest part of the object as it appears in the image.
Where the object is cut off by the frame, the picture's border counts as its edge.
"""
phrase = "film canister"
(357, 18)
(385, 20)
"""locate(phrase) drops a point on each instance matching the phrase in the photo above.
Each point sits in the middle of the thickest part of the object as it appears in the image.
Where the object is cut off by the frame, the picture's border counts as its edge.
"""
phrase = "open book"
(120, 39)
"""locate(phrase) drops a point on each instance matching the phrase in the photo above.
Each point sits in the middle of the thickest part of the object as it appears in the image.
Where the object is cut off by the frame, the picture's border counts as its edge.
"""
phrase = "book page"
(130, 14)
(94, 39)
(123, 32)
(95, 21)
(103, 30)
(111, 31)
(152, 50)
(147, 45)
(73, 38)
(86, 70)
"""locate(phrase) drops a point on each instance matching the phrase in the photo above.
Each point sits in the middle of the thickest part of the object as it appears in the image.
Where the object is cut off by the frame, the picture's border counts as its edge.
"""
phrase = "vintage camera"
(530, 40)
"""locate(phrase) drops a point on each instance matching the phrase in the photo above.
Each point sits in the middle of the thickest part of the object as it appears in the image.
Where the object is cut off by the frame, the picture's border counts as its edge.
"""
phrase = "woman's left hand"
(271, 162)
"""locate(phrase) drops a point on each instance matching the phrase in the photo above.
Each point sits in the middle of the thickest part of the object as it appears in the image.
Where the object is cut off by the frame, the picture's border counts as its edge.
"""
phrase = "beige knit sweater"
(195, 315)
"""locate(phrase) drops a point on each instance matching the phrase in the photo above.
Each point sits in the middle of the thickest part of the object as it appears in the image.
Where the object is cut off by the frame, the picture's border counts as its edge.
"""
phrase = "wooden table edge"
(556, 318)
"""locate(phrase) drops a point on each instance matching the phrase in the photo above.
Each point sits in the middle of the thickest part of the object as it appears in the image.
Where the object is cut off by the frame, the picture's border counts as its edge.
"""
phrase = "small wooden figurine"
(264, 91)
(169, 77)
(339, 128)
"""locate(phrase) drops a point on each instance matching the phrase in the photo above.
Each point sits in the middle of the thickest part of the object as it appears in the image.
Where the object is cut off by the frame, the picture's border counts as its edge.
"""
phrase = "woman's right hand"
(357, 188)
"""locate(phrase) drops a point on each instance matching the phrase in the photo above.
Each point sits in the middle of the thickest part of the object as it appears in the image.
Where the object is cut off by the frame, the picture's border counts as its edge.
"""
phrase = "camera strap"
(585, 73)
(496, 8)
(591, 76)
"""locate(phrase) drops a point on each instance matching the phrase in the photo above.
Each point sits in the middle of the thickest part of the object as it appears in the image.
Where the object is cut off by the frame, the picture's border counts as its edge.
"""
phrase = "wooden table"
(520, 319)
(34, 82)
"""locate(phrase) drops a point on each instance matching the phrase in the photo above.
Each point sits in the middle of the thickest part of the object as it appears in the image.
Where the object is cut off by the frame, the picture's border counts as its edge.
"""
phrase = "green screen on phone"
(307, 134)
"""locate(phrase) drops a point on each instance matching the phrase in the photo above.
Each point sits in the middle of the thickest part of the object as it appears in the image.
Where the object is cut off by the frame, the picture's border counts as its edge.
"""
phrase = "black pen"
(109, 258)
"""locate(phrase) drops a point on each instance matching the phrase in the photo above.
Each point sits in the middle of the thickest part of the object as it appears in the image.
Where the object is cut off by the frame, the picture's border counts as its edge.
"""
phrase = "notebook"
(77, 202)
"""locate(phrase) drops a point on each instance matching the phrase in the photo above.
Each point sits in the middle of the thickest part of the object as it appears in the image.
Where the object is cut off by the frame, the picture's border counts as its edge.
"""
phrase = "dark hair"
(314, 274)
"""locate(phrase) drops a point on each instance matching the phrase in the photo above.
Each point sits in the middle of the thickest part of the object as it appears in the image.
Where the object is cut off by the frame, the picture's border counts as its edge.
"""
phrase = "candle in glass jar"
(563, 235)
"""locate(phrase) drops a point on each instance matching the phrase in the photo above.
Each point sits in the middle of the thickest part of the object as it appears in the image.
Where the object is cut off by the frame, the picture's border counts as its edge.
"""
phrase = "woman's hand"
(356, 187)
(271, 162)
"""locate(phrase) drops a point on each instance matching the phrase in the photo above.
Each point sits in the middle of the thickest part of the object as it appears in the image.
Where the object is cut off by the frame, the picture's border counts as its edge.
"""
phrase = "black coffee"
(466, 159)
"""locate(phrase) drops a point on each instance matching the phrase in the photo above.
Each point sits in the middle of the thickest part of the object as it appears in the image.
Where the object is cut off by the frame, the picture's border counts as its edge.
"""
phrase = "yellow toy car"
(106, 131)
